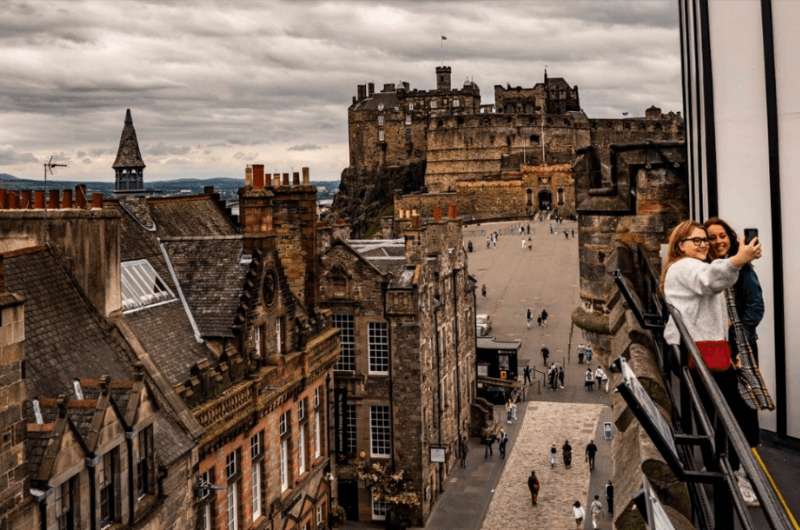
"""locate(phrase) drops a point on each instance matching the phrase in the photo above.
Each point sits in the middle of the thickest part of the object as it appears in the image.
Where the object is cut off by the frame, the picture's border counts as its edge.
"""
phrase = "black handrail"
(692, 422)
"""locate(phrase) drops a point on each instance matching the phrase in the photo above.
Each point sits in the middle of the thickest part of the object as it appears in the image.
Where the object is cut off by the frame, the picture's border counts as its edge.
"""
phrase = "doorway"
(545, 200)
(348, 498)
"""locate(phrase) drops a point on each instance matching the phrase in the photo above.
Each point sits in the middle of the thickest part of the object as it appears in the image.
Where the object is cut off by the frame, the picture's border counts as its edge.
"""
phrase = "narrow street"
(489, 494)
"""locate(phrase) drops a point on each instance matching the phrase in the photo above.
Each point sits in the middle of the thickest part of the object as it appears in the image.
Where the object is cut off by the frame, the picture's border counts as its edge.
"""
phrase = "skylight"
(142, 286)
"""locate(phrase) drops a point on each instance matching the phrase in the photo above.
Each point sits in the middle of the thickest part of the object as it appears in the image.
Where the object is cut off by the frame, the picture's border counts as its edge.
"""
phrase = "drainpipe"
(384, 290)
(438, 383)
(129, 446)
(91, 463)
(458, 364)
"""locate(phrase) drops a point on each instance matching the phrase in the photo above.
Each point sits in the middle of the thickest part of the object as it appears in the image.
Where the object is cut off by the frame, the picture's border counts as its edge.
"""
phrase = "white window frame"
(385, 424)
(411, 106)
(380, 120)
(231, 464)
(278, 337)
(301, 450)
(257, 339)
(434, 103)
(207, 520)
(346, 323)
(301, 410)
(351, 428)
(317, 435)
(376, 331)
(381, 135)
(141, 286)
(456, 102)
(283, 424)
(256, 489)
(375, 515)
(284, 465)
(408, 119)
(319, 515)
(232, 503)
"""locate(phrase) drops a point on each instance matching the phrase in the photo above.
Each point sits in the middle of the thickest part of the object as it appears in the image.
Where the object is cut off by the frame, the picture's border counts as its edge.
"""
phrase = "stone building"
(625, 213)
(210, 321)
(448, 142)
(128, 166)
(406, 375)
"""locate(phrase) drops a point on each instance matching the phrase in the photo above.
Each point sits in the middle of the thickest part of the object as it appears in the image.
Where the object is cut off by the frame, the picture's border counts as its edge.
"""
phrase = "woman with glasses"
(695, 286)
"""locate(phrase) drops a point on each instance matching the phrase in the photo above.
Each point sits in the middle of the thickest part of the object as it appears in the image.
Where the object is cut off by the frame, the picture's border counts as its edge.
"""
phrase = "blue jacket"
(749, 303)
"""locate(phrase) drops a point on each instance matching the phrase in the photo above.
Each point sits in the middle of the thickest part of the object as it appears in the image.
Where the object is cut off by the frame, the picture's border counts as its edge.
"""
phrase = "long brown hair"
(674, 252)
(734, 240)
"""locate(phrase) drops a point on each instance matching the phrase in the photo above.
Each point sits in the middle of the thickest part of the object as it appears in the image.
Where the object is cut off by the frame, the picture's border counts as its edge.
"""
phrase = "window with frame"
(456, 102)
(232, 502)
(109, 488)
(284, 465)
(350, 429)
(378, 348)
(408, 119)
(255, 476)
(142, 286)
(347, 340)
(320, 514)
(317, 434)
(207, 480)
(301, 449)
(144, 464)
(280, 334)
(232, 464)
(66, 504)
(379, 510)
(380, 431)
(283, 424)
(381, 135)
(380, 120)
(434, 104)
(257, 445)
(257, 340)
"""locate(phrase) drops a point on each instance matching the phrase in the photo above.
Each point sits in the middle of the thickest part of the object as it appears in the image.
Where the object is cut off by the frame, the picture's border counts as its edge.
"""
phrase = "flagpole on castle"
(441, 48)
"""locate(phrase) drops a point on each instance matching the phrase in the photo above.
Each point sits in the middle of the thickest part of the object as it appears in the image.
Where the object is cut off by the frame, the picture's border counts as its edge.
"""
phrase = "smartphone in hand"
(750, 234)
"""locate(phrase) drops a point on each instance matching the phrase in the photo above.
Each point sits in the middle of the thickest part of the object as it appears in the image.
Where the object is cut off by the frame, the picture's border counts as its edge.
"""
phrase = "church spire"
(128, 166)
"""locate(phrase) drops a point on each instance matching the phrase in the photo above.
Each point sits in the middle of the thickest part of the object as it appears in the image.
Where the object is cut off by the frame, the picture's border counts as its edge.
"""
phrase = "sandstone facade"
(406, 309)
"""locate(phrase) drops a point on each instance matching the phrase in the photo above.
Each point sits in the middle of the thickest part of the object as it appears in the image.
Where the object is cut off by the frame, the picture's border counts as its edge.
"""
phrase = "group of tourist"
(541, 318)
(709, 278)
(592, 376)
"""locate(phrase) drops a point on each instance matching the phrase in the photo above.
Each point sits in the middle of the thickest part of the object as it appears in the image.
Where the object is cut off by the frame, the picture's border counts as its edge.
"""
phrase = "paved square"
(544, 424)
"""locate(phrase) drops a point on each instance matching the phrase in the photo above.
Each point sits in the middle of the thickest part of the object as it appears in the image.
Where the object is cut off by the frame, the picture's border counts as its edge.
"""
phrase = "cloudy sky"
(213, 87)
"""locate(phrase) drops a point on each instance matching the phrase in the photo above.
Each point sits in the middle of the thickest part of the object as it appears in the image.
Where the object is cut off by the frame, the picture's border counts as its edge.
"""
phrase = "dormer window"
(142, 286)
(145, 462)
(108, 482)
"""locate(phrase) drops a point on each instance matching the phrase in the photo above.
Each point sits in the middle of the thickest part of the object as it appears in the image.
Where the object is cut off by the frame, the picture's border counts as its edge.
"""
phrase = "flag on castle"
(444, 38)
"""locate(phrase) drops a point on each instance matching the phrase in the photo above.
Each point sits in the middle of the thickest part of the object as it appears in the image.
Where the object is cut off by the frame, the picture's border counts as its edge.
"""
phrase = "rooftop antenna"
(48, 166)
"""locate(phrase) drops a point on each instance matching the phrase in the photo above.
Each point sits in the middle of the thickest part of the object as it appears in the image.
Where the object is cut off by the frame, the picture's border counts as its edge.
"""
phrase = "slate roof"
(388, 99)
(128, 154)
(212, 278)
(197, 215)
(167, 335)
(65, 337)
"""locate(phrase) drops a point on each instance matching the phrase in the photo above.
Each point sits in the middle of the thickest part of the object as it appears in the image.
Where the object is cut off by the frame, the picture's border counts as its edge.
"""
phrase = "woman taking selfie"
(695, 287)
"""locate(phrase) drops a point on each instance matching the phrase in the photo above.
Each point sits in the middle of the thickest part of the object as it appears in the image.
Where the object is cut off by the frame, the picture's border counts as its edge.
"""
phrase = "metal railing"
(706, 436)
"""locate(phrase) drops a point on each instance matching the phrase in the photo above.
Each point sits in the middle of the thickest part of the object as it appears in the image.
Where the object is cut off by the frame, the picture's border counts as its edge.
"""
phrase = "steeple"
(128, 166)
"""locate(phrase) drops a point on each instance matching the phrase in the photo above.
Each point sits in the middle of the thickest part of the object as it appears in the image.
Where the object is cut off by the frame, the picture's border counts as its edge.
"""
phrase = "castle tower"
(443, 77)
(128, 166)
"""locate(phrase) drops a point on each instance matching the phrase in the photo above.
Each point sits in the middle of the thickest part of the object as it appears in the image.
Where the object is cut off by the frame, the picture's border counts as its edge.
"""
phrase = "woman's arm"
(700, 277)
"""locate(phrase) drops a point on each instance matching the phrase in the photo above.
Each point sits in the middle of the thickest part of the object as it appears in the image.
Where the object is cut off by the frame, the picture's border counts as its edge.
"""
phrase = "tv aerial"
(48, 167)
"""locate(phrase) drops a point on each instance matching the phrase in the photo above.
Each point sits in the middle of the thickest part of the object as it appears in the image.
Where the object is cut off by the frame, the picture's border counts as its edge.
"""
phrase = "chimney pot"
(295, 178)
(13, 200)
(370, 89)
(66, 199)
(80, 196)
(97, 200)
(52, 199)
(437, 213)
(285, 179)
(258, 176)
(25, 199)
(3, 201)
(306, 177)
(38, 199)
(452, 211)
(248, 175)
(276, 180)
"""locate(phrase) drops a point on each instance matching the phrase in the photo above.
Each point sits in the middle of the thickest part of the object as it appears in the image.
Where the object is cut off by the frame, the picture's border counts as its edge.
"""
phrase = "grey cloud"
(305, 147)
(11, 156)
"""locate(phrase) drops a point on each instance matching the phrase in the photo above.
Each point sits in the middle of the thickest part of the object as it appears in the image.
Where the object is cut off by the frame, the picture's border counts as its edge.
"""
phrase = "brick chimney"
(255, 210)
(295, 226)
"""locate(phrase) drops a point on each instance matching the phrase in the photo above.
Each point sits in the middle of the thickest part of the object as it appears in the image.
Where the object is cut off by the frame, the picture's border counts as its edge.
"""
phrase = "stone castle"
(432, 148)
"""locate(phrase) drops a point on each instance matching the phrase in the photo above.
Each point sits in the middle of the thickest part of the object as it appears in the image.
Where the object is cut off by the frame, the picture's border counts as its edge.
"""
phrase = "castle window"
(378, 348)
(380, 120)
(347, 337)
(380, 106)
(144, 466)
(434, 104)
(381, 135)
(534, 138)
(408, 119)
(142, 286)
(560, 194)
(456, 102)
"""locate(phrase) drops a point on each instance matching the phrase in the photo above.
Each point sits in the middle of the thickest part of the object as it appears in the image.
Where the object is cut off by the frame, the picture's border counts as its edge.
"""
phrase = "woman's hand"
(747, 253)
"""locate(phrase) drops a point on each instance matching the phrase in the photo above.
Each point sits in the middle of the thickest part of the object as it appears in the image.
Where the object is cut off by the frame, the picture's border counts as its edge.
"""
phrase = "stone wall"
(625, 211)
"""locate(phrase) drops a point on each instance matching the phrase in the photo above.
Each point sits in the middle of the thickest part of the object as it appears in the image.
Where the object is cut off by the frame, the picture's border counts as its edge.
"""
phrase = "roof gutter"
(175, 281)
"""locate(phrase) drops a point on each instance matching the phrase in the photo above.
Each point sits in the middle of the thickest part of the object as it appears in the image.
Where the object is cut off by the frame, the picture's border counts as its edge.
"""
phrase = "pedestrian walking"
(509, 412)
(561, 376)
(552, 374)
(530, 244)
(573, 233)
(513, 410)
(464, 451)
(483, 290)
(503, 443)
(578, 513)
(526, 372)
(591, 451)
(599, 374)
(588, 380)
(533, 487)
(553, 453)
(523, 243)
(610, 497)
(529, 317)
(545, 314)
(539, 321)
(596, 509)
(488, 441)
(566, 234)
(566, 454)
(529, 228)
(545, 354)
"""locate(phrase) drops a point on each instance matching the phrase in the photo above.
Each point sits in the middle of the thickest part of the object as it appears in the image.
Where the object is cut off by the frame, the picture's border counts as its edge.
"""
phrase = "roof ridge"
(24, 251)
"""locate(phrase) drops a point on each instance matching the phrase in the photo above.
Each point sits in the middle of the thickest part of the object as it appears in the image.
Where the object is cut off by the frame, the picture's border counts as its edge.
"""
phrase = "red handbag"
(715, 353)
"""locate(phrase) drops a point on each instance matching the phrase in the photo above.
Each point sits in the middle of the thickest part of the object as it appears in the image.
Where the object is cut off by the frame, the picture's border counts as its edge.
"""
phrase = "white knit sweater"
(695, 288)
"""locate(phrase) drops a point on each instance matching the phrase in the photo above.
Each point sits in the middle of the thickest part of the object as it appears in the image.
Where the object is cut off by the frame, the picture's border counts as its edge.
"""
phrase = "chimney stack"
(295, 178)
(3, 203)
(437, 213)
(25, 199)
(52, 200)
(66, 199)
(452, 211)
(38, 199)
(362, 92)
(13, 200)
(285, 180)
(97, 200)
(248, 176)
(276, 180)
(306, 177)
(80, 196)
(370, 89)
(258, 176)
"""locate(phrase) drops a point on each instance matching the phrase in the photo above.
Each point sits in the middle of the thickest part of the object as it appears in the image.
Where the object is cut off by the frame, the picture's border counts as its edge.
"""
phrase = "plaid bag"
(751, 384)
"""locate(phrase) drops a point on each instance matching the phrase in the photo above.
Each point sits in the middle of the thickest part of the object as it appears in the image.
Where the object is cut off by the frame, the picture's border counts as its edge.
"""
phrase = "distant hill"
(226, 186)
